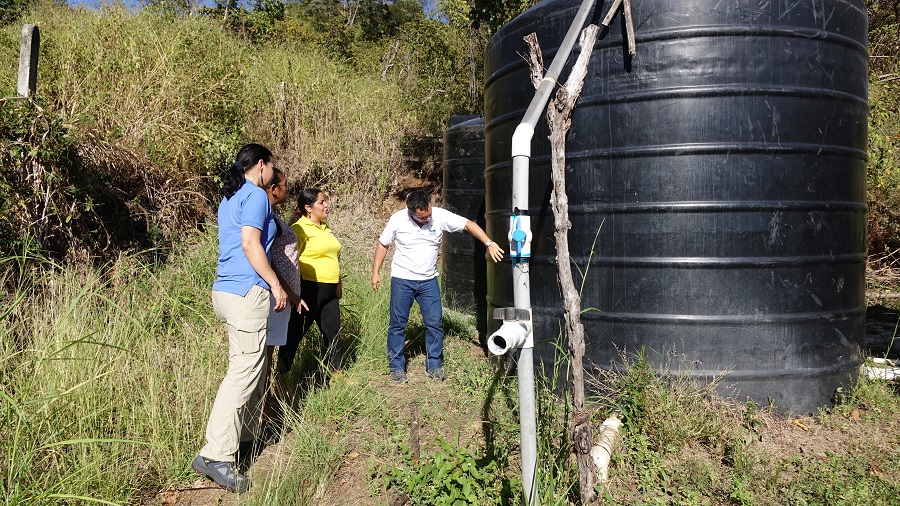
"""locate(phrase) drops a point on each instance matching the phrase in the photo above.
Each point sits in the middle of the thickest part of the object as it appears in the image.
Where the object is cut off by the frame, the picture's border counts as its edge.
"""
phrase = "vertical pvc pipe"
(525, 366)
(528, 425)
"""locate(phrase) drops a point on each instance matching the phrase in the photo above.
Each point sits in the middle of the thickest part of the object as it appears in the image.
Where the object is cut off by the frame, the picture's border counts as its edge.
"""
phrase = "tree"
(496, 13)
(257, 22)
(379, 19)
(454, 12)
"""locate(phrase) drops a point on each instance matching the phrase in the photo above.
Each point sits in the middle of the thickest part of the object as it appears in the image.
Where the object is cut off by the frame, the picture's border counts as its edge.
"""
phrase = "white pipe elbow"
(521, 140)
(512, 334)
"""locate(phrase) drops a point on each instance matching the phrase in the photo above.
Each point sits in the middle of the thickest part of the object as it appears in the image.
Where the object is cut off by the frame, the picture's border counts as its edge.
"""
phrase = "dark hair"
(278, 175)
(418, 199)
(247, 157)
(307, 197)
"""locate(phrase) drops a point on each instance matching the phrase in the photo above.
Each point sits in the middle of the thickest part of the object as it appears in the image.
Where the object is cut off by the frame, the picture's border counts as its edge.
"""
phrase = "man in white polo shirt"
(416, 231)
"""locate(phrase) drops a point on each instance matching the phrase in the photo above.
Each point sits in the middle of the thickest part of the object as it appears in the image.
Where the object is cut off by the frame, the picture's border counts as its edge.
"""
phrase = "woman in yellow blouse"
(321, 282)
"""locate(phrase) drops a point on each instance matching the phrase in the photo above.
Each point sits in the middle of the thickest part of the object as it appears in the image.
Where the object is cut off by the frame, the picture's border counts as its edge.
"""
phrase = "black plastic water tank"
(463, 268)
(726, 164)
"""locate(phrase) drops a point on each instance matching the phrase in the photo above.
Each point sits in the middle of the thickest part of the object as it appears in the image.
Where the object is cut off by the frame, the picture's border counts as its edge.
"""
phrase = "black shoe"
(437, 374)
(398, 376)
(224, 474)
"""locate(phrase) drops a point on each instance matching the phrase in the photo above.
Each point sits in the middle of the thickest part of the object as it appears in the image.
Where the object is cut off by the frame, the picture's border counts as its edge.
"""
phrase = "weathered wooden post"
(559, 114)
(28, 60)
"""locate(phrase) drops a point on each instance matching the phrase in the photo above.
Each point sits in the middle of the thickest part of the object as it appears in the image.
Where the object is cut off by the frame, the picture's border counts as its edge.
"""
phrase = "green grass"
(684, 445)
(104, 372)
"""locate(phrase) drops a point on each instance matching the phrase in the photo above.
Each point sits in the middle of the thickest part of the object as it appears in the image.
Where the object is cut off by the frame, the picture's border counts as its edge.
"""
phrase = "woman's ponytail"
(233, 180)
(246, 159)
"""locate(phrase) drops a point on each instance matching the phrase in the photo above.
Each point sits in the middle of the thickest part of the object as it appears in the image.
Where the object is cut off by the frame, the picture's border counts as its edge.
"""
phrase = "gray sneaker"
(224, 474)
(437, 374)
(398, 376)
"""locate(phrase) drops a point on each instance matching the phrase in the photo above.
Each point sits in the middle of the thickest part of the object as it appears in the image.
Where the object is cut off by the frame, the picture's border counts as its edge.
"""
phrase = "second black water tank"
(463, 269)
(722, 173)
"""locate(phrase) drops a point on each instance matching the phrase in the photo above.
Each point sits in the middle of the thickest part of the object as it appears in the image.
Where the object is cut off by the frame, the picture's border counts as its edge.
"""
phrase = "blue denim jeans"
(428, 295)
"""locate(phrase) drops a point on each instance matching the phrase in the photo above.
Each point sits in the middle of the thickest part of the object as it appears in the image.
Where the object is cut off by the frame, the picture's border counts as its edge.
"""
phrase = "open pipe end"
(512, 334)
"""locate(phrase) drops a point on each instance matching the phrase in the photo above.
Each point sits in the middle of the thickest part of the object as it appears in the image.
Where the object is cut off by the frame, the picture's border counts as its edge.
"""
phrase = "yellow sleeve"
(301, 236)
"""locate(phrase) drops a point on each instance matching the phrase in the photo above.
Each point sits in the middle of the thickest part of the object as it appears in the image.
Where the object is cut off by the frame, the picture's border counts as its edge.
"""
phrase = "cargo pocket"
(247, 336)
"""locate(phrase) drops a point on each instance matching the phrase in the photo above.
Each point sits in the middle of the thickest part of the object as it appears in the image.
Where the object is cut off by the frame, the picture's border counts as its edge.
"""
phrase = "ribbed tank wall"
(462, 256)
(722, 173)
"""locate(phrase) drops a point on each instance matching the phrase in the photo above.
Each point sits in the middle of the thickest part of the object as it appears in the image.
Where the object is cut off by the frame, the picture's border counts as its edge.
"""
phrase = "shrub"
(883, 176)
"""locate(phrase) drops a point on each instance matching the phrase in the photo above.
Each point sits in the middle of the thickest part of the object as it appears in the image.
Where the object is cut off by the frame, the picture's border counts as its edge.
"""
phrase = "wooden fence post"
(28, 60)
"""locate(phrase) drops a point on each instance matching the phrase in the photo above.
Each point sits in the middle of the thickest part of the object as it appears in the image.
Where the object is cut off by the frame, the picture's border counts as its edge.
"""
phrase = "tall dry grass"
(105, 374)
(186, 93)
(107, 377)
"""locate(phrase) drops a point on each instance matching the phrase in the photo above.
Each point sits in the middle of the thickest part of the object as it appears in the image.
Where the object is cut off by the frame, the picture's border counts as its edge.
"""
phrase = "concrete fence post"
(28, 60)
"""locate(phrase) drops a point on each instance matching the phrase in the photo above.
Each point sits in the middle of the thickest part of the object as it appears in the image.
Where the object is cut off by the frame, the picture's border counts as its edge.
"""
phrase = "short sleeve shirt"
(249, 207)
(416, 248)
(319, 251)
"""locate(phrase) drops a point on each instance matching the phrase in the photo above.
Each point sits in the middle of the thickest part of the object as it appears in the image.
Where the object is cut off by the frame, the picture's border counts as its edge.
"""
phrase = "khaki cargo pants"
(235, 412)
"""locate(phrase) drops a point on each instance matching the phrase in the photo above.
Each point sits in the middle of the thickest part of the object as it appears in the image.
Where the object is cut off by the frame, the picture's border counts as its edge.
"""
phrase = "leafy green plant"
(449, 476)
(751, 420)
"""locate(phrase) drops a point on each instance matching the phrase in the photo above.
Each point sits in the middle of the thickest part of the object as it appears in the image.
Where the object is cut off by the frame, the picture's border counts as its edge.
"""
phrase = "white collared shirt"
(416, 253)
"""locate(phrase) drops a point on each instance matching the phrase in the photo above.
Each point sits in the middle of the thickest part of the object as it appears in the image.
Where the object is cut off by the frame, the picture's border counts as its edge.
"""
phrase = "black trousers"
(325, 311)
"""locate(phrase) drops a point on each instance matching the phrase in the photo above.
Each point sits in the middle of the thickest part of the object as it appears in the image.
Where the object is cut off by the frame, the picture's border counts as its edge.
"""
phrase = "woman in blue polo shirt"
(240, 296)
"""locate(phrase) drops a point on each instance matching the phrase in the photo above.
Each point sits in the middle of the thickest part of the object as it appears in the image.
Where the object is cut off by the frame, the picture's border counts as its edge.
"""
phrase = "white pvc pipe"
(601, 453)
(513, 334)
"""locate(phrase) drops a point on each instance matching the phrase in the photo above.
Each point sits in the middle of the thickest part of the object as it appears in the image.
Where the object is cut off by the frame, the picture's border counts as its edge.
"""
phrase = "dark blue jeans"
(428, 295)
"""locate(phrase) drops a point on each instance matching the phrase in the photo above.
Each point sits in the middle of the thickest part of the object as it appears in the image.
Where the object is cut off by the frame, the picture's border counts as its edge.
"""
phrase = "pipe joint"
(516, 331)
(521, 140)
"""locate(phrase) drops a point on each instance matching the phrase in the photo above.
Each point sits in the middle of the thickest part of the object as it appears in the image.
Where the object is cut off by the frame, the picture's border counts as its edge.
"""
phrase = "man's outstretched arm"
(492, 248)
